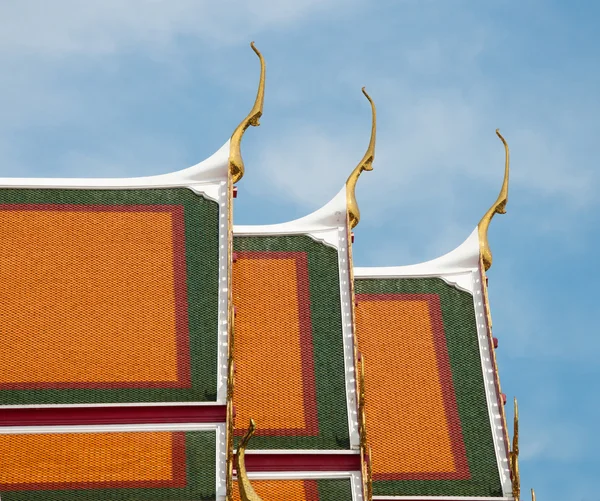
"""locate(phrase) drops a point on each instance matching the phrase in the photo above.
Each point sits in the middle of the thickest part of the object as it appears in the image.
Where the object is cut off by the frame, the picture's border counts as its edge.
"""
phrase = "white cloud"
(548, 433)
(64, 27)
(139, 157)
(547, 168)
(438, 163)
(436, 136)
(556, 441)
(439, 143)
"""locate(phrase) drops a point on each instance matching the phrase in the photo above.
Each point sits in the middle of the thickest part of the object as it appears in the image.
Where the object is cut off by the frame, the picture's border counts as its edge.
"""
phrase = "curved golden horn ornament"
(514, 456)
(532, 495)
(365, 164)
(499, 207)
(247, 492)
(236, 163)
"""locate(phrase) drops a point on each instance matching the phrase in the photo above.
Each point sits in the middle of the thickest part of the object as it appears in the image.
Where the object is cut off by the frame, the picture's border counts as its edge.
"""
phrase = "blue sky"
(113, 88)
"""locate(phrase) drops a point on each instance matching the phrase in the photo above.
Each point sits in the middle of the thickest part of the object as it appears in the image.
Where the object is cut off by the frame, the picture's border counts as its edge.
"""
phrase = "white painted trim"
(439, 498)
(320, 225)
(107, 428)
(489, 375)
(354, 476)
(356, 485)
(219, 428)
(221, 458)
(348, 336)
(223, 316)
(455, 267)
(299, 475)
(134, 404)
(300, 452)
(202, 177)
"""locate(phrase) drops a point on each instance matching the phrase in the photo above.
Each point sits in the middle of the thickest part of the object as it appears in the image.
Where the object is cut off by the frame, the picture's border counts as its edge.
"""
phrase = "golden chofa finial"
(514, 456)
(499, 207)
(365, 164)
(236, 164)
(532, 495)
(247, 492)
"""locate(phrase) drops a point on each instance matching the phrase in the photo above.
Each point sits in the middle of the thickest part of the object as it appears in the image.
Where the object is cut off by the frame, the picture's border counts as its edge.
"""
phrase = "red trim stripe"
(311, 490)
(302, 462)
(50, 416)
(181, 301)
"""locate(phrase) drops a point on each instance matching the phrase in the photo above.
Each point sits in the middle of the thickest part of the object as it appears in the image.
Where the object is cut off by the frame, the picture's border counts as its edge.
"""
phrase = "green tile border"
(335, 489)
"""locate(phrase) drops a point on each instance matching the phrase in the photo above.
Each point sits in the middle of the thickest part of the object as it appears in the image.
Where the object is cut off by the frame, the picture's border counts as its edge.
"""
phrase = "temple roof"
(289, 346)
(433, 406)
(142, 331)
(433, 414)
(109, 462)
(320, 486)
(88, 272)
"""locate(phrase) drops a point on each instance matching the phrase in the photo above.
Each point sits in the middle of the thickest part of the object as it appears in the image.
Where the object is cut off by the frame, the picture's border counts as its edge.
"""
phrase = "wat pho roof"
(151, 350)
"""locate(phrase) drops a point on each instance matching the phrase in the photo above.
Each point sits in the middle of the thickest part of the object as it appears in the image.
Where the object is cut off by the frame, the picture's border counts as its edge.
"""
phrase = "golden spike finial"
(532, 495)
(499, 207)
(365, 164)
(514, 456)
(247, 492)
(236, 164)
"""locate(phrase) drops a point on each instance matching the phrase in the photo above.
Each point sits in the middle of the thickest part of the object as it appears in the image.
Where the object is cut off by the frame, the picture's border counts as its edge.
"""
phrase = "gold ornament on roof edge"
(499, 207)
(365, 450)
(236, 163)
(362, 420)
(369, 479)
(514, 456)
(247, 492)
(365, 164)
(229, 460)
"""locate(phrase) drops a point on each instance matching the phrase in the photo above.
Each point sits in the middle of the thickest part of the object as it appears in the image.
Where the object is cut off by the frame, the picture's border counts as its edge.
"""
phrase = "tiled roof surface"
(301, 490)
(108, 296)
(288, 343)
(145, 466)
(427, 415)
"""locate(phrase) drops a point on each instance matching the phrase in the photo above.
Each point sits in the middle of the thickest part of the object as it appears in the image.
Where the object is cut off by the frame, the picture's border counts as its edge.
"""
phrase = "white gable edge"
(322, 225)
(204, 178)
(455, 267)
